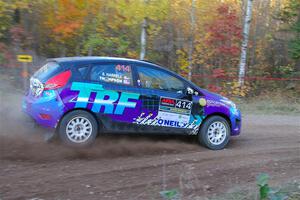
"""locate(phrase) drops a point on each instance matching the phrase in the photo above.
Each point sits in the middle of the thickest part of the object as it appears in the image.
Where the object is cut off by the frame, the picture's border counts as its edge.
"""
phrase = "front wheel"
(78, 128)
(214, 133)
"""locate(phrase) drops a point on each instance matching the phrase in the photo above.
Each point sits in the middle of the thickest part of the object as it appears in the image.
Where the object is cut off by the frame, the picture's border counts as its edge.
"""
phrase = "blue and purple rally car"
(80, 97)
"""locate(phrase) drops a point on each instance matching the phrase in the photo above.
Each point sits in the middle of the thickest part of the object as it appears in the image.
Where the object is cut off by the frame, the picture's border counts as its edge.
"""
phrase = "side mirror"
(189, 91)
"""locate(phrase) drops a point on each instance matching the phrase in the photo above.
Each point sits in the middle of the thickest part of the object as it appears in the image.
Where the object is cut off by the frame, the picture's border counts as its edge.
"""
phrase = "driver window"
(157, 79)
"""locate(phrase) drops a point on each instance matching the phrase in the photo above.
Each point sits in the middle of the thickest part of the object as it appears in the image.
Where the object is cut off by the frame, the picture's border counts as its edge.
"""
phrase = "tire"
(214, 133)
(78, 128)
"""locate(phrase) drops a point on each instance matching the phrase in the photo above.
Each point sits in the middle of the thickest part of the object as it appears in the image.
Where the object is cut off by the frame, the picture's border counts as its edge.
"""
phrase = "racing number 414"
(184, 105)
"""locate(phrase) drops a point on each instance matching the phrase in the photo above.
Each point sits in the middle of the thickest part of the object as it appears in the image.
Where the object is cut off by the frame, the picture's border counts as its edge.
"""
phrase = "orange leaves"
(216, 73)
(234, 89)
(66, 19)
(214, 88)
(67, 29)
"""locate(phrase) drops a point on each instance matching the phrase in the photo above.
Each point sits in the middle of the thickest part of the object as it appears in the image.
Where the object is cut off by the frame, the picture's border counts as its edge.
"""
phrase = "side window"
(80, 72)
(112, 73)
(83, 71)
(157, 79)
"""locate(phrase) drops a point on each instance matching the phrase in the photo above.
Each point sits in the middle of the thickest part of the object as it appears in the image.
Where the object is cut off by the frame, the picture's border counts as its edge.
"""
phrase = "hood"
(212, 95)
(216, 97)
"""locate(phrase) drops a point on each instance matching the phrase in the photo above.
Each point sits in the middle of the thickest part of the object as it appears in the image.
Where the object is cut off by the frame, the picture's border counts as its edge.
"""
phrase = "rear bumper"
(46, 110)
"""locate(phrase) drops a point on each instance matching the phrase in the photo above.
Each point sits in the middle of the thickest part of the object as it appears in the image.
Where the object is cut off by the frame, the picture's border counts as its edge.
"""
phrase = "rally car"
(81, 97)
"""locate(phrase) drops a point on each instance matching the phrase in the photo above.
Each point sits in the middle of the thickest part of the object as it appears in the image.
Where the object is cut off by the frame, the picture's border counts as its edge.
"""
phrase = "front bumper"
(236, 121)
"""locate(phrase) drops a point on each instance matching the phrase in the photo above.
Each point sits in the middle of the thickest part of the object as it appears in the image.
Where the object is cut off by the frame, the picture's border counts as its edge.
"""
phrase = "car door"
(166, 101)
(113, 97)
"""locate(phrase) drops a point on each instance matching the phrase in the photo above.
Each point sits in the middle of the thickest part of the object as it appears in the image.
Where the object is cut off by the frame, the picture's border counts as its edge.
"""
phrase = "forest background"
(198, 39)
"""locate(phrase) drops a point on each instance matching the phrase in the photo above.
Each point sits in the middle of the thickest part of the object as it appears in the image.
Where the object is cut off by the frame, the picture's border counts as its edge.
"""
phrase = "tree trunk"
(191, 41)
(90, 51)
(297, 61)
(143, 39)
(63, 51)
(246, 31)
(256, 31)
(77, 50)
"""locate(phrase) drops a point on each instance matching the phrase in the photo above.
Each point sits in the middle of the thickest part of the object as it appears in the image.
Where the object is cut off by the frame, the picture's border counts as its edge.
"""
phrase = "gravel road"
(139, 167)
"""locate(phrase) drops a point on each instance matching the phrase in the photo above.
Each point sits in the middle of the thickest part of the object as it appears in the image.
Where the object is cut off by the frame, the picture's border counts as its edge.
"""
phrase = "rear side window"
(47, 71)
(83, 71)
(112, 73)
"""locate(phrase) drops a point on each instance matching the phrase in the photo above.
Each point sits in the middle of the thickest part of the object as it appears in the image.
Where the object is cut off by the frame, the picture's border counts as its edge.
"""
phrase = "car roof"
(89, 59)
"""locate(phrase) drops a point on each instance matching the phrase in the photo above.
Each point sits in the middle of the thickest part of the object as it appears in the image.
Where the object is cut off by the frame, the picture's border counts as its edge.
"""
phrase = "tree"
(295, 43)
(191, 39)
(246, 31)
(292, 12)
(224, 36)
(65, 21)
(194, 38)
(143, 39)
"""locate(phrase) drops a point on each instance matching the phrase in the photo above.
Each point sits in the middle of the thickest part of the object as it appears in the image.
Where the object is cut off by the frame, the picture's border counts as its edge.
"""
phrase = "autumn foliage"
(210, 43)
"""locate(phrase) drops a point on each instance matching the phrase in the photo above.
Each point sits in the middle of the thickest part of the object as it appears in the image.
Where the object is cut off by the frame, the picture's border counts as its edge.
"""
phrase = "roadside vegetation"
(287, 191)
(273, 102)
(263, 191)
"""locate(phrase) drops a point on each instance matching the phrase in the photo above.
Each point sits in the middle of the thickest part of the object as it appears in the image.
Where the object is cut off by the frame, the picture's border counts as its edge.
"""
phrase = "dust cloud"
(21, 139)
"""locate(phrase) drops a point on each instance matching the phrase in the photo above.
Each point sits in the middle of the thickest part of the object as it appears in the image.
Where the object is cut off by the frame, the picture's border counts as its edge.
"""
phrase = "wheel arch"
(217, 114)
(99, 123)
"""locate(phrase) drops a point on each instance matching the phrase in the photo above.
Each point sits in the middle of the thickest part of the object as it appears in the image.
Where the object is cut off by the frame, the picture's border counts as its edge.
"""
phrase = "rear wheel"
(214, 133)
(78, 128)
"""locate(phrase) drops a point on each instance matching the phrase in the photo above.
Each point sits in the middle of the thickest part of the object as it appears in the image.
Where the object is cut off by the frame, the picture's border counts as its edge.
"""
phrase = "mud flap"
(49, 136)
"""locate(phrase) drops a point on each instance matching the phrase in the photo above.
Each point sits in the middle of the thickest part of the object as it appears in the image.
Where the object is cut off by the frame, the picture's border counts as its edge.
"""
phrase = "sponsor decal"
(163, 119)
(202, 102)
(214, 103)
(111, 102)
(175, 105)
(170, 120)
(174, 113)
(168, 102)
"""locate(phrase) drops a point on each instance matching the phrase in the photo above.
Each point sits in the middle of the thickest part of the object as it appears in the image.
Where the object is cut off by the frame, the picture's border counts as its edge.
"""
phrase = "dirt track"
(139, 167)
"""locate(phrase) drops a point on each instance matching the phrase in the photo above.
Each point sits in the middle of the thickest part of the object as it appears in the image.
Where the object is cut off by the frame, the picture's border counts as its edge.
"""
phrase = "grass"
(291, 190)
(271, 103)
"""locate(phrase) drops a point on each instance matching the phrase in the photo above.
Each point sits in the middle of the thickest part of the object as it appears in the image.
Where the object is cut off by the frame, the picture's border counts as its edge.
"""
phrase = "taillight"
(58, 81)
(36, 86)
